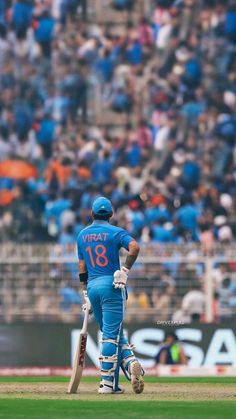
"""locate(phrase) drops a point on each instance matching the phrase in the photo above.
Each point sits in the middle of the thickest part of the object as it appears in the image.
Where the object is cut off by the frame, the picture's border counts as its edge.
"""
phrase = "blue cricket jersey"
(99, 244)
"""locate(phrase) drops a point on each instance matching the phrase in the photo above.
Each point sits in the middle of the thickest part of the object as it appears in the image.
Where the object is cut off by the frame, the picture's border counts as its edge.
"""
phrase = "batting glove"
(120, 278)
(86, 303)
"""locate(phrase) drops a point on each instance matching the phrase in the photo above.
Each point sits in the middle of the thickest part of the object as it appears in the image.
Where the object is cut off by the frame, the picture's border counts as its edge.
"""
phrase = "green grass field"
(163, 398)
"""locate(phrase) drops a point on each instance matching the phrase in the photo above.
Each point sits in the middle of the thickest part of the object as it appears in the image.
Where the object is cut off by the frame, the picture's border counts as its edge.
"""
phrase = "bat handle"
(85, 322)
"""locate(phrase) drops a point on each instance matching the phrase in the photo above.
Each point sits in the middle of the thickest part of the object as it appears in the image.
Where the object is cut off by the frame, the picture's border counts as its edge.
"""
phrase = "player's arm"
(83, 271)
(83, 277)
(133, 251)
(83, 274)
(121, 276)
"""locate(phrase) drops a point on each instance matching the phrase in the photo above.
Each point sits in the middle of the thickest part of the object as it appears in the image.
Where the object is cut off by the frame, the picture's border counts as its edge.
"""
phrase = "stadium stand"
(137, 104)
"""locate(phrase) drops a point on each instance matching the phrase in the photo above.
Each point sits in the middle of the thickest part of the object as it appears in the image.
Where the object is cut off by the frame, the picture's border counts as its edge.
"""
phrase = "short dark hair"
(172, 335)
(103, 217)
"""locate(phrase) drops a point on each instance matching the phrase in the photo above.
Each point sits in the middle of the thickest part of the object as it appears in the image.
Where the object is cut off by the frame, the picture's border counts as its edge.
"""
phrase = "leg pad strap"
(112, 358)
(128, 346)
(110, 373)
(109, 341)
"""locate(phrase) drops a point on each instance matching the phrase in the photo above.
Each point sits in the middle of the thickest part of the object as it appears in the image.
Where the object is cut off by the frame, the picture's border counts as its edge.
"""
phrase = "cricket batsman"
(104, 285)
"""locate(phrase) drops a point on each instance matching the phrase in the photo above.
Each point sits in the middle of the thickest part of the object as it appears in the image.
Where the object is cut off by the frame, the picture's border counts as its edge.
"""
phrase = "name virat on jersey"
(87, 238)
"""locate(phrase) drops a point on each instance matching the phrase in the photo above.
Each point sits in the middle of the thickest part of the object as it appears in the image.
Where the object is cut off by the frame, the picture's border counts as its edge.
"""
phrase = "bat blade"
(78, 364)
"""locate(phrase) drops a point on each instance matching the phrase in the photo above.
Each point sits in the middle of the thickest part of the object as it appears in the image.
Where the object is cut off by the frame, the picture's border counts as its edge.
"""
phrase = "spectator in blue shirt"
(21, 17)
(69, 297)
(122, 101)
(134, 52)
(157, 213)
(190, 174)
(67, 236)
(55, 206)
(102, 170)
(160, 233)
(193, 72)
(104, 66)
(133, 153)
(2, 12)
(187, 216)
(230, 23)
(44, 30)
(123, 4)
(46, 134)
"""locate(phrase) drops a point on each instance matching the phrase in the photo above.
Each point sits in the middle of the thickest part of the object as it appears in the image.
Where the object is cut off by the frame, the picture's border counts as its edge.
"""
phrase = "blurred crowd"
(160, 292)
(170, 172)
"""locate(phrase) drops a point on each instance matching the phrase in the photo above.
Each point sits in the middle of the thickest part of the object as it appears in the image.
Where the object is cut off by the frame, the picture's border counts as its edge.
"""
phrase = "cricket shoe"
(136, 375)
(106, 388)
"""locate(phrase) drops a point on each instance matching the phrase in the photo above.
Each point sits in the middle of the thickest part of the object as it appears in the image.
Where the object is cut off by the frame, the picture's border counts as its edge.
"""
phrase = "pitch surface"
(163, 398)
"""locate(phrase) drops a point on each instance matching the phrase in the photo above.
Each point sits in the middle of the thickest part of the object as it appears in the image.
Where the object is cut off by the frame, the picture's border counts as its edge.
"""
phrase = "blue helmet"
(102, 206)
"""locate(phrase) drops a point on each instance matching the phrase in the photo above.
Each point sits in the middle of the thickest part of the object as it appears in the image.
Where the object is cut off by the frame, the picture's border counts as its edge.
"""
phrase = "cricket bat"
(79, 361)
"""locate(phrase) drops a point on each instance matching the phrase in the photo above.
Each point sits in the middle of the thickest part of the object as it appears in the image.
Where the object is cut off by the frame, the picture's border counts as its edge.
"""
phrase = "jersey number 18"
(99, 258)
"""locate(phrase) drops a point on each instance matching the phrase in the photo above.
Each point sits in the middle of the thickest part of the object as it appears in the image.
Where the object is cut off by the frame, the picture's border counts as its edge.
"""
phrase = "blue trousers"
(108, 307)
